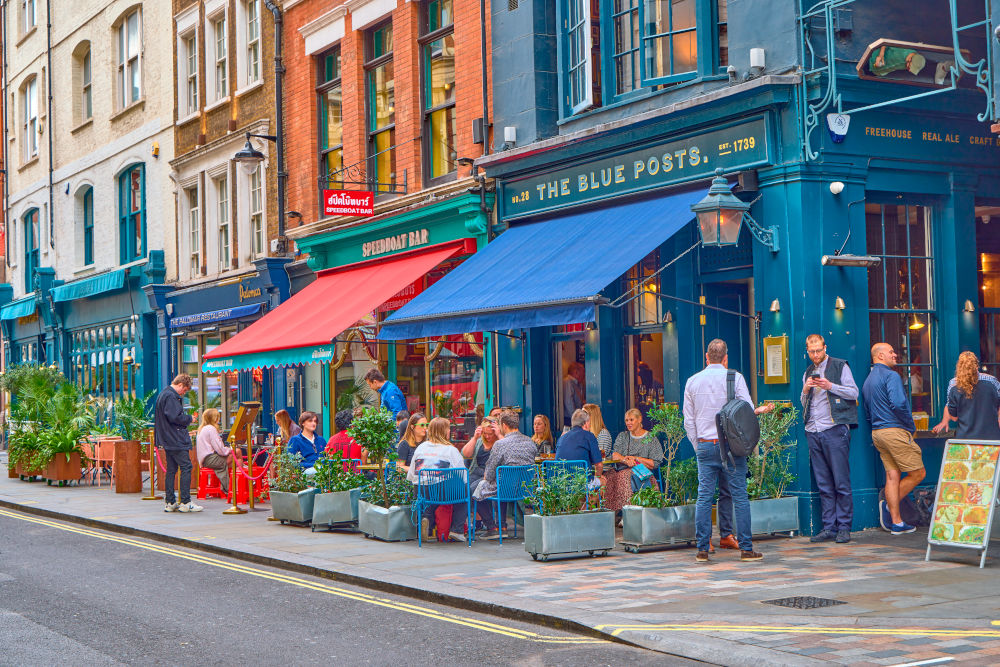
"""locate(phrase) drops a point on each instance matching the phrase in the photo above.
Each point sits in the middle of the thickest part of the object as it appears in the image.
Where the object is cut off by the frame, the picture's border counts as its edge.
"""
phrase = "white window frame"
(129, 74)
(220, 48)
(29, 15)
(249, 71)
(190, 42)
(87, 85)
(29, 126)
(193, 204)
(258, 226)
(224, 222)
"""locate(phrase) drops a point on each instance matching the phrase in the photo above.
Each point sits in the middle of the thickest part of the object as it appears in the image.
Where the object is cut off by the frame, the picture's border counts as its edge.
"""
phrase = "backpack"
(736, 422)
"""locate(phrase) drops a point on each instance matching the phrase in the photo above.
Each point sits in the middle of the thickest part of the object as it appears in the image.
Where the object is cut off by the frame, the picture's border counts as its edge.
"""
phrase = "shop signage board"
(689, 157)
(966, 496)
(910, 136)
(348, 202)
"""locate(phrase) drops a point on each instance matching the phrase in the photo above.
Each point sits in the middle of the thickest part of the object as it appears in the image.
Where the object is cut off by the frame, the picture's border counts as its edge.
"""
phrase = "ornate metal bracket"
(357, 174)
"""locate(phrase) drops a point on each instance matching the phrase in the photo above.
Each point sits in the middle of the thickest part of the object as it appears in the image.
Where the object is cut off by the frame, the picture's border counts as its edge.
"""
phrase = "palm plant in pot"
(384, 508)
(561, 524)
(292, 496)
(769, 467)
(68, 417)
(31, 387)
(336, 504)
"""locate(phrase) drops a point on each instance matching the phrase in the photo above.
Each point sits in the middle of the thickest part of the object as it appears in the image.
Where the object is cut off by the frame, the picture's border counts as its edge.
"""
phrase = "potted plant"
(336, 503)
(68, 418)
(31, 386)
(560, 525)
(292, 496)
(132, 416)
(771, 511)
(384, 508)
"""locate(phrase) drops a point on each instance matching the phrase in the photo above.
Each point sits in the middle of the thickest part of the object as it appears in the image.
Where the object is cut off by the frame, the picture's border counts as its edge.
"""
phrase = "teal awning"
(92, 286)
(20, 308)
(313, 354)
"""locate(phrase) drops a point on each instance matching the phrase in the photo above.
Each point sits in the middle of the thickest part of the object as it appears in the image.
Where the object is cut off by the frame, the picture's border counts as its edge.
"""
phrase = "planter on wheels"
(392, 524)
(587, 532)
(774, 515)
(26, 473)
(296, 508)
(653, 526)
(336, 510)
(64, 469)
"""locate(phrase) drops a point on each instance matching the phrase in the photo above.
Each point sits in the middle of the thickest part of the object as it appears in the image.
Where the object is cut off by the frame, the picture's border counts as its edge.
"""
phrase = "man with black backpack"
(721, 423)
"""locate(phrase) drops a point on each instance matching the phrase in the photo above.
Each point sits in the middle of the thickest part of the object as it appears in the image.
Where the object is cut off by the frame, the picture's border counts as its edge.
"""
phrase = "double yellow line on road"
(387, 603)
(943, 633)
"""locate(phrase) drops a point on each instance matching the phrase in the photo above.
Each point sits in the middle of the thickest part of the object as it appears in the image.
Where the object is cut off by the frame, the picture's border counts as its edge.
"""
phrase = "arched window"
(85, 226)
(82, 76)
(132, 214)
(30, 248)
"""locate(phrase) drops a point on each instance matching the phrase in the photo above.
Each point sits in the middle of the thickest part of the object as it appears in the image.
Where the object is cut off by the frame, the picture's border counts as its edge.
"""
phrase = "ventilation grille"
(804, 602)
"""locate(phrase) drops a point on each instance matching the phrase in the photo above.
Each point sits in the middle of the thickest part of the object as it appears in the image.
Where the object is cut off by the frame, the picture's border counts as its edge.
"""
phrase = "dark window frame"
(427, 112)
(372, 62)
(324, 84)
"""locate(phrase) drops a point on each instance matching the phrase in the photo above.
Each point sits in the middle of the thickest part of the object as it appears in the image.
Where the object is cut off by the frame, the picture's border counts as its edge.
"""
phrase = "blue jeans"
(710, 471)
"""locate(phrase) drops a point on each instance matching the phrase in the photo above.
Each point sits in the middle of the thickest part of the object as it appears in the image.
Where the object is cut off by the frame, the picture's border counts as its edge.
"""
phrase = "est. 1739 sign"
(692, 157)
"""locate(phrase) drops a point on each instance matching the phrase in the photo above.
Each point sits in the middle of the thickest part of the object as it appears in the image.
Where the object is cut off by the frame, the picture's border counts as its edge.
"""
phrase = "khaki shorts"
(898, 449)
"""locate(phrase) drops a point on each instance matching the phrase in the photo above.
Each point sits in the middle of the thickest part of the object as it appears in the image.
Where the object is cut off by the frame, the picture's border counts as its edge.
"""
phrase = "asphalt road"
(74, 595)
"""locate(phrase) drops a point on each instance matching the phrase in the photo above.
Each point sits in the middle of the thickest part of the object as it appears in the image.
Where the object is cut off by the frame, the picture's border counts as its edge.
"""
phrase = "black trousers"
(177, 459)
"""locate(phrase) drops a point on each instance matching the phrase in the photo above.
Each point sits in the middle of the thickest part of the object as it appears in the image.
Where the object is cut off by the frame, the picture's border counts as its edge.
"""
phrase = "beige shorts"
(898, 449)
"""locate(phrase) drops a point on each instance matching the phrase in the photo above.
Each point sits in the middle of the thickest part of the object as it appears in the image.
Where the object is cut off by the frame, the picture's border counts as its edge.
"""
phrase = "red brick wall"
(301, 109)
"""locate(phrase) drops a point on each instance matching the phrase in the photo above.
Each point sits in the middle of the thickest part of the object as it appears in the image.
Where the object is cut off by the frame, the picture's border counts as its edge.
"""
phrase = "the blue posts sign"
(691, 157)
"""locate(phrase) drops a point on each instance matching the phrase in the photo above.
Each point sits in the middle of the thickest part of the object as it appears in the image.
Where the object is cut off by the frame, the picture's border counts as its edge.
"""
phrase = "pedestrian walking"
(390, 395)
(830, 408)
(892, 435)
(705, 394)
(170, 426)
(973, 401)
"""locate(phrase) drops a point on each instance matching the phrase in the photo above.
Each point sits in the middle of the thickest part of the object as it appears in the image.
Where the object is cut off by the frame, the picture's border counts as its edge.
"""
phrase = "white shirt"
(704, 396)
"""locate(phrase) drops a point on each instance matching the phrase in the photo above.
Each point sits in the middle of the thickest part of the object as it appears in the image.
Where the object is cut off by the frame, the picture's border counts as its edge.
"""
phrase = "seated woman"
(633, 446)
(212, 452)
(286, 426)
(437, 453)
(308, 443)
(342, 443)
(477, 452)
(416, 432)
(598, 428)
(542, 436)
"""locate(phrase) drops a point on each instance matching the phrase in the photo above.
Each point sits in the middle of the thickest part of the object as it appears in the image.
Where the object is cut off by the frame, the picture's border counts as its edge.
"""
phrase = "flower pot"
(590, 532)
(161, 474)
(774, 515)
(293, 507)
(391, 524)
(62, 471)
(648, 526)
(331, 509)
(26, 473)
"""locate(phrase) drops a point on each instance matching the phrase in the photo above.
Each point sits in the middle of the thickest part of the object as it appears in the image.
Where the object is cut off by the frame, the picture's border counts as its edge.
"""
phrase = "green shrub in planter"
(375, 430)
(668, 422)
(331, 475)
(286, 474)
(559, 491)
(391, 490)
(769, 466)
(132, 416)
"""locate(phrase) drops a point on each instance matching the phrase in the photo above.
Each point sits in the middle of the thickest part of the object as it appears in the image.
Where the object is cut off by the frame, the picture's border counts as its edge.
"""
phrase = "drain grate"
(804, 602)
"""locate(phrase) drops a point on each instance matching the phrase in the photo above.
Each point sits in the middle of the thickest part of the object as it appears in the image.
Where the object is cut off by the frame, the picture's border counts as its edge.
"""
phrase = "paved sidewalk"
(897, 608)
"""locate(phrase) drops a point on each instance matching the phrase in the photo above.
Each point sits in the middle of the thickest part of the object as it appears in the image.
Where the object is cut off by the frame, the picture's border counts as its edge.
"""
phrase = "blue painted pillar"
(955, 275)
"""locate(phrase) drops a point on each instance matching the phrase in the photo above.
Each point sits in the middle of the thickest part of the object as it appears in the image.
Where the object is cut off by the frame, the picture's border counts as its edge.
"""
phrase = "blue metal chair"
(570, 468)
(443, 486)
(514, 484)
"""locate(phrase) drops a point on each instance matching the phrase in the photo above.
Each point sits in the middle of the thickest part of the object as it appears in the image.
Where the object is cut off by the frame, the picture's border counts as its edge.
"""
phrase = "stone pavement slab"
(659, 599)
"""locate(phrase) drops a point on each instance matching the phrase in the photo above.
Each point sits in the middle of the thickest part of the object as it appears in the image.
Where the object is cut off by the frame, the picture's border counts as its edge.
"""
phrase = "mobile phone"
(814, 376)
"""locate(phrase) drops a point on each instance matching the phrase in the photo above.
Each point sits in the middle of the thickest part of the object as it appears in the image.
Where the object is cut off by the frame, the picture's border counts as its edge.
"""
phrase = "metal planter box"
(648, 526)
(293, 507)
(774, 515)
(333, 509)
(391, 525)
(589, 532)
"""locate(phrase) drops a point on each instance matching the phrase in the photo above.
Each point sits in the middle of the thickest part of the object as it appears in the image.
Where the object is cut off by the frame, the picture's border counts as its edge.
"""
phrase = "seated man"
(579, 444)
(513, 449)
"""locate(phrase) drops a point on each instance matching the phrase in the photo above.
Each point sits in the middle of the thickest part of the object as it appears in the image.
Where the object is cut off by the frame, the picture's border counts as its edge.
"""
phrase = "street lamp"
(721, 215)
(249, 158)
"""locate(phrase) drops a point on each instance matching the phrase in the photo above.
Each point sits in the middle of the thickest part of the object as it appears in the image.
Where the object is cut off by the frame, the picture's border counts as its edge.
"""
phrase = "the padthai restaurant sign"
(695, 156)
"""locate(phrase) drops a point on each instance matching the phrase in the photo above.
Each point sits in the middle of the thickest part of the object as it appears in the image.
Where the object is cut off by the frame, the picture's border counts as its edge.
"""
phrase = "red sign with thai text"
(403, 296)
(348, 202)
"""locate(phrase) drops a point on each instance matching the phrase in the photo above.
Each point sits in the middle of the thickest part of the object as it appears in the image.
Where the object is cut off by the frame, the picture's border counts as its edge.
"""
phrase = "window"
(99, 359)
(669, 40)
(331, 117)
(191, 71)
(256, 213)
(87, 224)
(194, 230)
(579, 60)
(625, 55)
(253, 41)
(221, 58)
(29, 16)
(31, 243)
(29, 103)
(381, 110)
(131, 214)
(722, 16)
(439, 89)
(129, 72)
(86, 94)
(225, 237)
(900, 294)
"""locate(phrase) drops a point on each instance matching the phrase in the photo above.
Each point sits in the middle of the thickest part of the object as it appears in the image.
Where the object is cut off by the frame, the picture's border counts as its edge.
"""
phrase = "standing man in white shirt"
(830, 408)
(704, 397)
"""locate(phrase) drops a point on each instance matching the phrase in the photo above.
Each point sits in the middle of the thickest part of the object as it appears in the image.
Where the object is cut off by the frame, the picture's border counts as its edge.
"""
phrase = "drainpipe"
(279, 119)
(48, 113)
(486, 80)
(6, 143)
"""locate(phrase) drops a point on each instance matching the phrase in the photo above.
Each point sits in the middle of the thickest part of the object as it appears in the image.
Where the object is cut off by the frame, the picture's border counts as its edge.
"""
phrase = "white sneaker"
(171, 507)
(190, 507)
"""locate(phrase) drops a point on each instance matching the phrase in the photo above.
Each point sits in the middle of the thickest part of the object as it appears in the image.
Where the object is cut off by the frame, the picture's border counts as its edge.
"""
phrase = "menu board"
(966, 494)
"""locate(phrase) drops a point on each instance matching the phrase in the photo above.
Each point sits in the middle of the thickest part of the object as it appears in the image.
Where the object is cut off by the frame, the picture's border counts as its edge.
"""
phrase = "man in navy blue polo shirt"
(579, 444)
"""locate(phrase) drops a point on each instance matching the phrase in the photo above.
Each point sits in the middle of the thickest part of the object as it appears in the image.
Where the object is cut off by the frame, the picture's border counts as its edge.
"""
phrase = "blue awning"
(20, 308)
(92, 286)
(543, 274)
(215, 315)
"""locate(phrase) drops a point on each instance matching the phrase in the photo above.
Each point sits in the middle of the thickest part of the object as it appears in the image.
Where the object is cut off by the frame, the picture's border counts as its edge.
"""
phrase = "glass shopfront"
(103, 359)
(220, 391)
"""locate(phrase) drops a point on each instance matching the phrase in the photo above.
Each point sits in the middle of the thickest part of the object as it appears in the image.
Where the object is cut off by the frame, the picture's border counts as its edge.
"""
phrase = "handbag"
(641, 473)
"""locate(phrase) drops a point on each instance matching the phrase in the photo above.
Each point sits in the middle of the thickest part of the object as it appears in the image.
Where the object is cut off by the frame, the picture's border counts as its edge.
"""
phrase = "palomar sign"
(348, 202)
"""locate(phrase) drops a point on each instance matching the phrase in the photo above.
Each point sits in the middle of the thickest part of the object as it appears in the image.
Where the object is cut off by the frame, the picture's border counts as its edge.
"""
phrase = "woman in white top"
(212, 452)
(437, 453)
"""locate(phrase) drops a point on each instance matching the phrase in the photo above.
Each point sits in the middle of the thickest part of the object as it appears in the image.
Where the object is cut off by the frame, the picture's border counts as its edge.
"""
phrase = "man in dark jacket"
(171, 429)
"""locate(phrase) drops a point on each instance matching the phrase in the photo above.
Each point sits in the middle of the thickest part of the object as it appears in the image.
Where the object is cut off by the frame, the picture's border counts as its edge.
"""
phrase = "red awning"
(302, 329)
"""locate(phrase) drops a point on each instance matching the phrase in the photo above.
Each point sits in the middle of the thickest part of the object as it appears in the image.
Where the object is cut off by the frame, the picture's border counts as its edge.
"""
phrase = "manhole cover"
(804, 602)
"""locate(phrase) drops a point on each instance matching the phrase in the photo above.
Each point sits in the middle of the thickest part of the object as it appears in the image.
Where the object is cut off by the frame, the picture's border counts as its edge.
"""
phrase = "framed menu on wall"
(966, 496)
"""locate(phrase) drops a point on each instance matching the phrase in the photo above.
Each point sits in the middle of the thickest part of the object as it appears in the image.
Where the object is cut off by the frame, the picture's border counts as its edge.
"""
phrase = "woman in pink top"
(212, 452)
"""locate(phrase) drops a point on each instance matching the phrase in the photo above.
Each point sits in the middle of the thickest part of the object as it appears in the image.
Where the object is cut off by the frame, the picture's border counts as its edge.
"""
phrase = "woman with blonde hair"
(415, 433)
(598, 428)
(632, 447)
(542, 436)
(286, 426)
(973, 401)
(437, 453)
(211, 451)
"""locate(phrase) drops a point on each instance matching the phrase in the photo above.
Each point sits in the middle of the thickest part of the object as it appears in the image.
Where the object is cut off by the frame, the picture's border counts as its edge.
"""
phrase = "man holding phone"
(830, 408)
